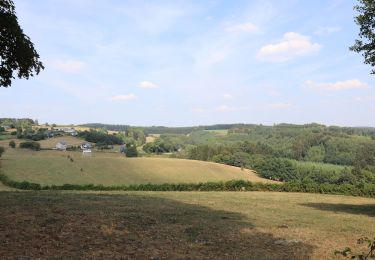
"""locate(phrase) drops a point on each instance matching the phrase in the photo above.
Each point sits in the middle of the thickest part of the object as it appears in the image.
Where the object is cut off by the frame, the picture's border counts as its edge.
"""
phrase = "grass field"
(54, 167)
(70, 140)
(181, 225)
(218, 131)
(48, 143)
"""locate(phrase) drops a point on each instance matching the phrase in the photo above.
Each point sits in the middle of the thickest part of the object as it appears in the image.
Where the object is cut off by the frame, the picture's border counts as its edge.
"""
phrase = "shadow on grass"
(366, 209)
(82, 225)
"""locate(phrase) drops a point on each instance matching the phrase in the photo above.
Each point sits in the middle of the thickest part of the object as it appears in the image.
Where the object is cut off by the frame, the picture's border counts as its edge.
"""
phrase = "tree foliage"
(17, 52)
(366, 22)
(12, 144)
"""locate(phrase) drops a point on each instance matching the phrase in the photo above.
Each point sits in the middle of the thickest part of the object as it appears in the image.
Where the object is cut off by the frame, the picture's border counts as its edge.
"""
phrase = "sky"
(193, 62)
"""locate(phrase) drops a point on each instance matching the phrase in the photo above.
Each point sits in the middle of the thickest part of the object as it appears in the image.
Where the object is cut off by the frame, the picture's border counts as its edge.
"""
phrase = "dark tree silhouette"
(366, 22)
(17, 52)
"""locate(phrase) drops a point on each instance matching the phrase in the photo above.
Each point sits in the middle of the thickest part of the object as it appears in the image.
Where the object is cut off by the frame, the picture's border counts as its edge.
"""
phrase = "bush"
(131, 151)
(12, 144)
(30, 145)
(277, 169)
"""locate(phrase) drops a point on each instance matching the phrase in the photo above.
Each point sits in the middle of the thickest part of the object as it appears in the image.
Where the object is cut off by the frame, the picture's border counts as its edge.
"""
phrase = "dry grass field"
(48, 143)
(55, 167)
(181, 225)
(70, 140)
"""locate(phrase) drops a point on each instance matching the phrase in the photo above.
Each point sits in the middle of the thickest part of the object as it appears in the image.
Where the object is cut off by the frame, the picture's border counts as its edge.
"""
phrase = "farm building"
(86, 146)
(69, 131)
(86, 152)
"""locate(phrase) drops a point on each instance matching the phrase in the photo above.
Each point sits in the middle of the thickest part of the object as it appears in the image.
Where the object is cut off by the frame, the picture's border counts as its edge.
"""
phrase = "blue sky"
(179, 63)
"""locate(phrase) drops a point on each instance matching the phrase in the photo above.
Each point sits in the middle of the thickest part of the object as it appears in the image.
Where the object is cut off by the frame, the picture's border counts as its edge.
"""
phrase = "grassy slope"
(70, 140)
(53, 167)
(177, 225)
(48, 143)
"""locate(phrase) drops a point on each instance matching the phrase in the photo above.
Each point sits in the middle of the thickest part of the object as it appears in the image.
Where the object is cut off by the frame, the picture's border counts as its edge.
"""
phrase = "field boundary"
(363, 190)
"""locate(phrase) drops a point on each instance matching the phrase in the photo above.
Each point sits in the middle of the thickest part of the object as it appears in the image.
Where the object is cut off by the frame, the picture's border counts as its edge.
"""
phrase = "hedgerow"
(363, 189)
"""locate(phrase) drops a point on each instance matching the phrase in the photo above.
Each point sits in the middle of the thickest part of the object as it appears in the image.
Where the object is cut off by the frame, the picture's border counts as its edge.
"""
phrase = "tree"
(2, 150)
(131, 150)
(17, 52)
(366, 22)
(12, 144)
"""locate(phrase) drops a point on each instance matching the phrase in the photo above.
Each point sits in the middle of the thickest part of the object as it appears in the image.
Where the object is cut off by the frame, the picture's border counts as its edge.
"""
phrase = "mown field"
(57, 167)
(181, 225)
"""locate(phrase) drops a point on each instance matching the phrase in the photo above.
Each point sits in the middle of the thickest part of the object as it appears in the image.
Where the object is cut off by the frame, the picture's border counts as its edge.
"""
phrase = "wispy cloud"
(368, 98)
(279, 105)
(124, 97)
(67, 65)
(221, 109)
(327, 30)
(337, 86)
(227, 96)
(147, 84)
(291, 46)
(226, 108)
(243, 27)
(199, 110)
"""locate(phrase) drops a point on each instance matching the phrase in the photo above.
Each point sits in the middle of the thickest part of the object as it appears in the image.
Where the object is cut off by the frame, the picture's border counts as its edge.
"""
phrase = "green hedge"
(30, 145)
(362, 189)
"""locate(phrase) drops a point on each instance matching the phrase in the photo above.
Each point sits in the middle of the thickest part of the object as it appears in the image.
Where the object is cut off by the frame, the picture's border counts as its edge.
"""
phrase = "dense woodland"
(308, 153)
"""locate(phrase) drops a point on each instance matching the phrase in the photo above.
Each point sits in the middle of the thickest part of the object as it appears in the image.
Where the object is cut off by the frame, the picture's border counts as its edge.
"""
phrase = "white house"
(61, 146)
(86, 146)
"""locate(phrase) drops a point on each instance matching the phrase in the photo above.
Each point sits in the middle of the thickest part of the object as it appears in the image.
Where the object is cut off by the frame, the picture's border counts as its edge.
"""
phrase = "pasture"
(70, 140)
(57, 167)
(181, 225)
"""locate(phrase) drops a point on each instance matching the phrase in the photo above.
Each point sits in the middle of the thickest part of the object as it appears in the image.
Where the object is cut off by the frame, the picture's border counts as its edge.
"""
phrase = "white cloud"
(227, 96)
(293, 45)
(68, 65)
(124, 97)
(226, 108)
(280, 105)
(147, 84)
(273, 92)
(198, 110)
(368, 98)
(243, 27)
(336, 86)
(327, 30)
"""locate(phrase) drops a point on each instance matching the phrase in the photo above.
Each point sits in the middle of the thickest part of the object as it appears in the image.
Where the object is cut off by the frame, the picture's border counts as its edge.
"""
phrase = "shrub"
(12, 144)
(131, 151)
(30, 145)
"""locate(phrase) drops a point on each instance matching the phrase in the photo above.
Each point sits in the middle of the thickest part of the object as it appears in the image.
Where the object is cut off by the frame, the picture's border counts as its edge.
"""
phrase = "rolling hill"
(55, 167)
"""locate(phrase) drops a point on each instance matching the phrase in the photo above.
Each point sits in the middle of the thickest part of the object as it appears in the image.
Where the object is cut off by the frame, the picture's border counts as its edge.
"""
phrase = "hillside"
(70, 140)
(54, 167)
